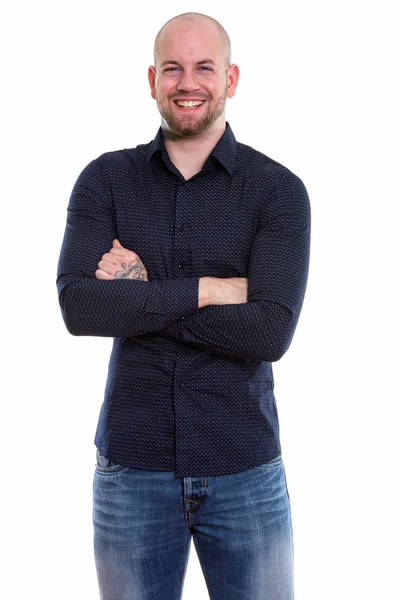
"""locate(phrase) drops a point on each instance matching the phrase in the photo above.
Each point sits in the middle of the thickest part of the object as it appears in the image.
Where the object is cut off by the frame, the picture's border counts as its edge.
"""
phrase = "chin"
(178, 129)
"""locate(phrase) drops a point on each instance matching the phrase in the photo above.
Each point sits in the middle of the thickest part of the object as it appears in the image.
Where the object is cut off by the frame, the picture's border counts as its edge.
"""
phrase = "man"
(192, 252)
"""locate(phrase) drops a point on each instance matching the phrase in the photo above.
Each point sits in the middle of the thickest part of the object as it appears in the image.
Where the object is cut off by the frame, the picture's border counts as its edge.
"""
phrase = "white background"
(317, 92)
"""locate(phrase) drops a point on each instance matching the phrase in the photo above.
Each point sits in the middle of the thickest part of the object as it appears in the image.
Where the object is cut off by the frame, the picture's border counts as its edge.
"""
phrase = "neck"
(190, 153)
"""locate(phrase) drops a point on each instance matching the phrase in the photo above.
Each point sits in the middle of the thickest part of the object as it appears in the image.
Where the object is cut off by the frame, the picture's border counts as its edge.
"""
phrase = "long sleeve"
(263, 327)
(110, 308)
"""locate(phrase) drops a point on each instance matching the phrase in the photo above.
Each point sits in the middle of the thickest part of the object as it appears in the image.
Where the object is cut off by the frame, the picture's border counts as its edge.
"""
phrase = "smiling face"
(191, 80)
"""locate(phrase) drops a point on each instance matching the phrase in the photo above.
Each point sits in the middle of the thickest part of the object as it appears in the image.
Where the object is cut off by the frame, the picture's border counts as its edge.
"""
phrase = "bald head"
(195, 19)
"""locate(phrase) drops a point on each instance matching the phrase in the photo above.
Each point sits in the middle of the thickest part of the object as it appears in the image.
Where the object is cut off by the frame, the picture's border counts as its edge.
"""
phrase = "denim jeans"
(240, 523)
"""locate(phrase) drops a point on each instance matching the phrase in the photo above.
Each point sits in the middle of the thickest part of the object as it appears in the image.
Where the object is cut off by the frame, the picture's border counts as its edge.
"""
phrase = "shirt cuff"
(173, 298)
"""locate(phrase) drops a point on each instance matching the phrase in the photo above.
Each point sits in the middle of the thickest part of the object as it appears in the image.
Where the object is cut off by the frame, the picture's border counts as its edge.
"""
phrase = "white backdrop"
(317, 92)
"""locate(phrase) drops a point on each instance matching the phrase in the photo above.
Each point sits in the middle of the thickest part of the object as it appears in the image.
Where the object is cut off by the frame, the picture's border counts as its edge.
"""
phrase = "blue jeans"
(240, 523)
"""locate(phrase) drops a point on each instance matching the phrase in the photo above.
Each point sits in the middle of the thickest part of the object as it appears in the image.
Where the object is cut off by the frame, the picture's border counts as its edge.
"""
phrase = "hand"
(121, 263)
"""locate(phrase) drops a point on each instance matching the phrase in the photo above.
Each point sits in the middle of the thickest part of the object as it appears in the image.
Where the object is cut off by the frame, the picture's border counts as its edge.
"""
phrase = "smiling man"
(191, 81)
(192, 252)
(192, 102)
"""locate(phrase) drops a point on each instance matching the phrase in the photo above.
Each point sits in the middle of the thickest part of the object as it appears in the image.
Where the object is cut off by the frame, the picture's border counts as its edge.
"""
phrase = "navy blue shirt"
(188, 390)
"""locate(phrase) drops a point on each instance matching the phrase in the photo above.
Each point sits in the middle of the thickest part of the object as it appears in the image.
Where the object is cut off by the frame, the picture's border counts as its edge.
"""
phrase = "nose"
(187, 81)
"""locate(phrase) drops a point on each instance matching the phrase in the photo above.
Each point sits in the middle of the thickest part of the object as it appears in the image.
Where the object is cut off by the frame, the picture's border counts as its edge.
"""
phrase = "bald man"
(192, 252)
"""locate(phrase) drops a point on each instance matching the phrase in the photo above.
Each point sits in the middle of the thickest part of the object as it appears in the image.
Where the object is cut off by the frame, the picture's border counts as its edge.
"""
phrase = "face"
(191, 68)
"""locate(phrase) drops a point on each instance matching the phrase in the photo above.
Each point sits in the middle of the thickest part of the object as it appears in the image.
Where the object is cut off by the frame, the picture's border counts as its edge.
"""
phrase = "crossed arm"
(243, 318)
(122, 263)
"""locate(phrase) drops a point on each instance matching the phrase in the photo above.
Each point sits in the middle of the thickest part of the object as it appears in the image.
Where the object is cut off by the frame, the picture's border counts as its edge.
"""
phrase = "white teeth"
(189, 103)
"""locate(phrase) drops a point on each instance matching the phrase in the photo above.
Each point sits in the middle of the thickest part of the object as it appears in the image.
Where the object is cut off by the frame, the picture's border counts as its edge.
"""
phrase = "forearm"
(255, 331)
(124, 307)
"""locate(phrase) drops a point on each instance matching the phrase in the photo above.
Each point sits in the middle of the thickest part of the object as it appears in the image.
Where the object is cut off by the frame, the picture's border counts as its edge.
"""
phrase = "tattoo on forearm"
(136, 267)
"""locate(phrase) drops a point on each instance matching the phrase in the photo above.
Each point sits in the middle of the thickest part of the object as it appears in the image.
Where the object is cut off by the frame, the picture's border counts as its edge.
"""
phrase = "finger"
(123, 252)
(108, 267)
(111, 258)
(102, 274)
(116, 244)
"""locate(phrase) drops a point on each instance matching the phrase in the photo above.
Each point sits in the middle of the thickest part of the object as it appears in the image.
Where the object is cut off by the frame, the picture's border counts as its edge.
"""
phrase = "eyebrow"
(175, 62)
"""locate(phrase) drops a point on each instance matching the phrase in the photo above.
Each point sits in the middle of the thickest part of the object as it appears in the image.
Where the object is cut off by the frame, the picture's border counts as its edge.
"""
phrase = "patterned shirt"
(189, 390)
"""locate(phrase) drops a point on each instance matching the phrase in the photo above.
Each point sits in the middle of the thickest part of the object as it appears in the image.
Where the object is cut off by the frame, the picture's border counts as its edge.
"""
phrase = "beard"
(189, 126)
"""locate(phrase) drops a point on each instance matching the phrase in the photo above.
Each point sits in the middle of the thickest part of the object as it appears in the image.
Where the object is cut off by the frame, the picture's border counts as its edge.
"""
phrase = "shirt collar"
(224, 151)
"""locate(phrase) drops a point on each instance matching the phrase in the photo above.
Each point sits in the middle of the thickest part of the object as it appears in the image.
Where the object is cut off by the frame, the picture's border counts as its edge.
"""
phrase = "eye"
(205, 68)
(170, 69)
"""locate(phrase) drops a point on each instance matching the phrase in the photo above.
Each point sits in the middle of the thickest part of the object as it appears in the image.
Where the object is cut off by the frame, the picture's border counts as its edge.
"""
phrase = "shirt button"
(181, 227)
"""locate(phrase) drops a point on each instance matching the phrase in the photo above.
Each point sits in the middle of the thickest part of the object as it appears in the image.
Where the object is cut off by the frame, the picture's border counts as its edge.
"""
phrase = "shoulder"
(113, 167)
(263, 169)
(113, 161)
(280, 190)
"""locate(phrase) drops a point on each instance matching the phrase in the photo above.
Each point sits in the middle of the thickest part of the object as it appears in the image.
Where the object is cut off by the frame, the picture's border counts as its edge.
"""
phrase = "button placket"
(181, 249)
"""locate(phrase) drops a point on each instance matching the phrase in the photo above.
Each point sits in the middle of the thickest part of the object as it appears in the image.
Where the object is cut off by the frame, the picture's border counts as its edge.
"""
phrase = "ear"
(151, 74)
(233, 79)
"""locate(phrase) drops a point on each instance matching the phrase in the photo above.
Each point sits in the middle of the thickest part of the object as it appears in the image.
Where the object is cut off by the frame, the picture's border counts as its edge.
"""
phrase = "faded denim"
(240, 523)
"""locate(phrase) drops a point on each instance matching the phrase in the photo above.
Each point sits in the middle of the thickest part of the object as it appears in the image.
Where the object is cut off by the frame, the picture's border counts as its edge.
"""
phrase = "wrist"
(206, 291)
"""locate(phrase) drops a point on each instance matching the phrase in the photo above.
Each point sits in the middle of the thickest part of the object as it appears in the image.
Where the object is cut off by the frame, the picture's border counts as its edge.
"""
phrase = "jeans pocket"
(272, 464)
(105, 466)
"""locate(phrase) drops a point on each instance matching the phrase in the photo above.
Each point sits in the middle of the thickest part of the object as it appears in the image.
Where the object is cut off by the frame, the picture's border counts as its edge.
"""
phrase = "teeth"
(189, 103)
